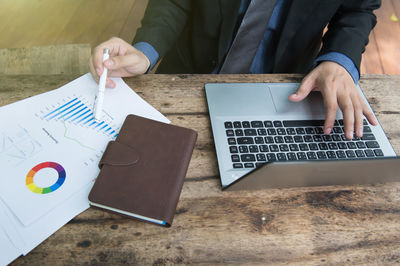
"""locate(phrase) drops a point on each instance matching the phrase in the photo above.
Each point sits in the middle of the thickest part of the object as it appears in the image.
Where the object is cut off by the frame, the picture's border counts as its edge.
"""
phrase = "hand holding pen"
(124, 61)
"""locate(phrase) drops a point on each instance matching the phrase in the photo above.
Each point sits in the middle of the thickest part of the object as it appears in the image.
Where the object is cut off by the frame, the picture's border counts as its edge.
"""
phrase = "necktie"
(248, 37)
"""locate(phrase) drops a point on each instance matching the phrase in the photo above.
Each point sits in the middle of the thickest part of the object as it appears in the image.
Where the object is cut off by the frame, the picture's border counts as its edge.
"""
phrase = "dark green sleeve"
(349, 29)
(162, 23)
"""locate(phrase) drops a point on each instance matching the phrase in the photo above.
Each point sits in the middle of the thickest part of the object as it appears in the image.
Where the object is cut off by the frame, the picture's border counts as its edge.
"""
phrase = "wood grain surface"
(382, 54)
(321, 225)
(45, 60)
(387, 36)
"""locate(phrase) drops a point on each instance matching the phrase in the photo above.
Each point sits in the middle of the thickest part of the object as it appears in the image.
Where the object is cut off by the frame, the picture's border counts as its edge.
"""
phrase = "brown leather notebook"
(143, 170)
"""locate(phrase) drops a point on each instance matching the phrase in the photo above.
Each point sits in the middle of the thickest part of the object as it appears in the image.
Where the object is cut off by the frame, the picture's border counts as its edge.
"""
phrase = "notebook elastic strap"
(118, 154)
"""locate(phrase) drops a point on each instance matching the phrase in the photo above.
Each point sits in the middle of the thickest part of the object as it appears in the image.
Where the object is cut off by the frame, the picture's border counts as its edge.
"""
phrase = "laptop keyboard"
(253, 143)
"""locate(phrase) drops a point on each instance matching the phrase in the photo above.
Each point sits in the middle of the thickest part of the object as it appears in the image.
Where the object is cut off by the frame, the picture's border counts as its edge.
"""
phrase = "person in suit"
(323, 39)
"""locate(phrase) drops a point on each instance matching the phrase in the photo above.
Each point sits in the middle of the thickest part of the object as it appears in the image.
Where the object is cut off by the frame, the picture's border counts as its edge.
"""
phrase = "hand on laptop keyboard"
(338, 90)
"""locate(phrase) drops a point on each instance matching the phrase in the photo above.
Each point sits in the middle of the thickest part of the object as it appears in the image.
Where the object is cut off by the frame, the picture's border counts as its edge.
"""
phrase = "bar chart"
(78, 111)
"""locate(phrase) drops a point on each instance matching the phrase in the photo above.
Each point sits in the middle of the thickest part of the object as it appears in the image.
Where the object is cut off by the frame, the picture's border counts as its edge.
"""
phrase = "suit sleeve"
(162, 23)
(349, 29)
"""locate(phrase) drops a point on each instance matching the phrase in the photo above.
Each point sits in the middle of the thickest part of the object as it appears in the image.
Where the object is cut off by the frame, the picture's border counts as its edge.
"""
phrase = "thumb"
(302, 92)
(118, 62)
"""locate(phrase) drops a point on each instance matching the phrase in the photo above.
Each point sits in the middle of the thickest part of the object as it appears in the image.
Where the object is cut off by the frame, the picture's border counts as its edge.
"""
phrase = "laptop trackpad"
(312, 105)
(240, 99)
(257, 101)
(254, 99)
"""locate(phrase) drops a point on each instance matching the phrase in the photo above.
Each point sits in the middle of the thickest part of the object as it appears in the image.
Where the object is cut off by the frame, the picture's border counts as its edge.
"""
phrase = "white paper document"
(8, 251)
(27, 238)
(50, 146)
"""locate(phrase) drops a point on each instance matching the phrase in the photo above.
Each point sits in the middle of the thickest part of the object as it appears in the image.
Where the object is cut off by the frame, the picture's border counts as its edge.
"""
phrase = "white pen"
(98, 101)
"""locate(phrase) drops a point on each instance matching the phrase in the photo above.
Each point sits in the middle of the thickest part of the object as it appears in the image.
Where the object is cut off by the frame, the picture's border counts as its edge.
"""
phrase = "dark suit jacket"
(192, 36)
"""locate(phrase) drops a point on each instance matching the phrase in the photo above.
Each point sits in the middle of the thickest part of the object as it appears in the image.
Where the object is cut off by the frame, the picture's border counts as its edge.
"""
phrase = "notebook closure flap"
(118, 154)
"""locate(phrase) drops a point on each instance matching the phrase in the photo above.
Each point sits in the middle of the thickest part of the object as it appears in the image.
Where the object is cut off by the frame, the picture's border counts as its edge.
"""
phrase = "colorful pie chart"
(39, 190)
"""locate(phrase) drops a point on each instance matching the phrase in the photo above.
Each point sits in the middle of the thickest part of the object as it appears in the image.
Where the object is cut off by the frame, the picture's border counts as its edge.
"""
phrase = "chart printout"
(50, 144)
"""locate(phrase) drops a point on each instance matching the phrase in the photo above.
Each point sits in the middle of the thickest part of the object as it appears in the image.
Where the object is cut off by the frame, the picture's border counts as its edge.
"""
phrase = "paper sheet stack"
(50, 146)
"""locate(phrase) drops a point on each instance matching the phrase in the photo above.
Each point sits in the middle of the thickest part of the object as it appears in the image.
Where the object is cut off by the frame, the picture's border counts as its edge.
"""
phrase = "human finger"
(304, 89)
(331, 108)
(368, 113)
(110, 83)
(346, 106)
(92, 70)
(123, 61)
(358, 116)
(97, 60)
(113, 45)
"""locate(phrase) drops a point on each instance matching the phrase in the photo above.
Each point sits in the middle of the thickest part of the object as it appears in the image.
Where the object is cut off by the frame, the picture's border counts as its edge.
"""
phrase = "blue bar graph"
(91, 114)
(79, 116)
(91, 119)
(63, 110)
(72, 110)
(77, 112)
(94, 122)
(102, 122)
(60, 107)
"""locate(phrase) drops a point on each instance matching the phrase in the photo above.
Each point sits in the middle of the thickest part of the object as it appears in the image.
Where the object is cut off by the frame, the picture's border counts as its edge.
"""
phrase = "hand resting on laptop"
(338, 90)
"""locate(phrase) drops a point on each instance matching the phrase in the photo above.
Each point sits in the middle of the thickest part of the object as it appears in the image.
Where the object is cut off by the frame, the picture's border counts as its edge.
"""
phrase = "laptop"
(264, 140)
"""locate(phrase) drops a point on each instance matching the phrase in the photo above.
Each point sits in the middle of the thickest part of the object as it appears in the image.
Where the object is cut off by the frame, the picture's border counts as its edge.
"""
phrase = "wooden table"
(321, 225)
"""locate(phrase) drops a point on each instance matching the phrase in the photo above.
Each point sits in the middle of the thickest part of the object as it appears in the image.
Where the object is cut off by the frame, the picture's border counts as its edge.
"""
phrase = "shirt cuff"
(342, 60)
(148, 51)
